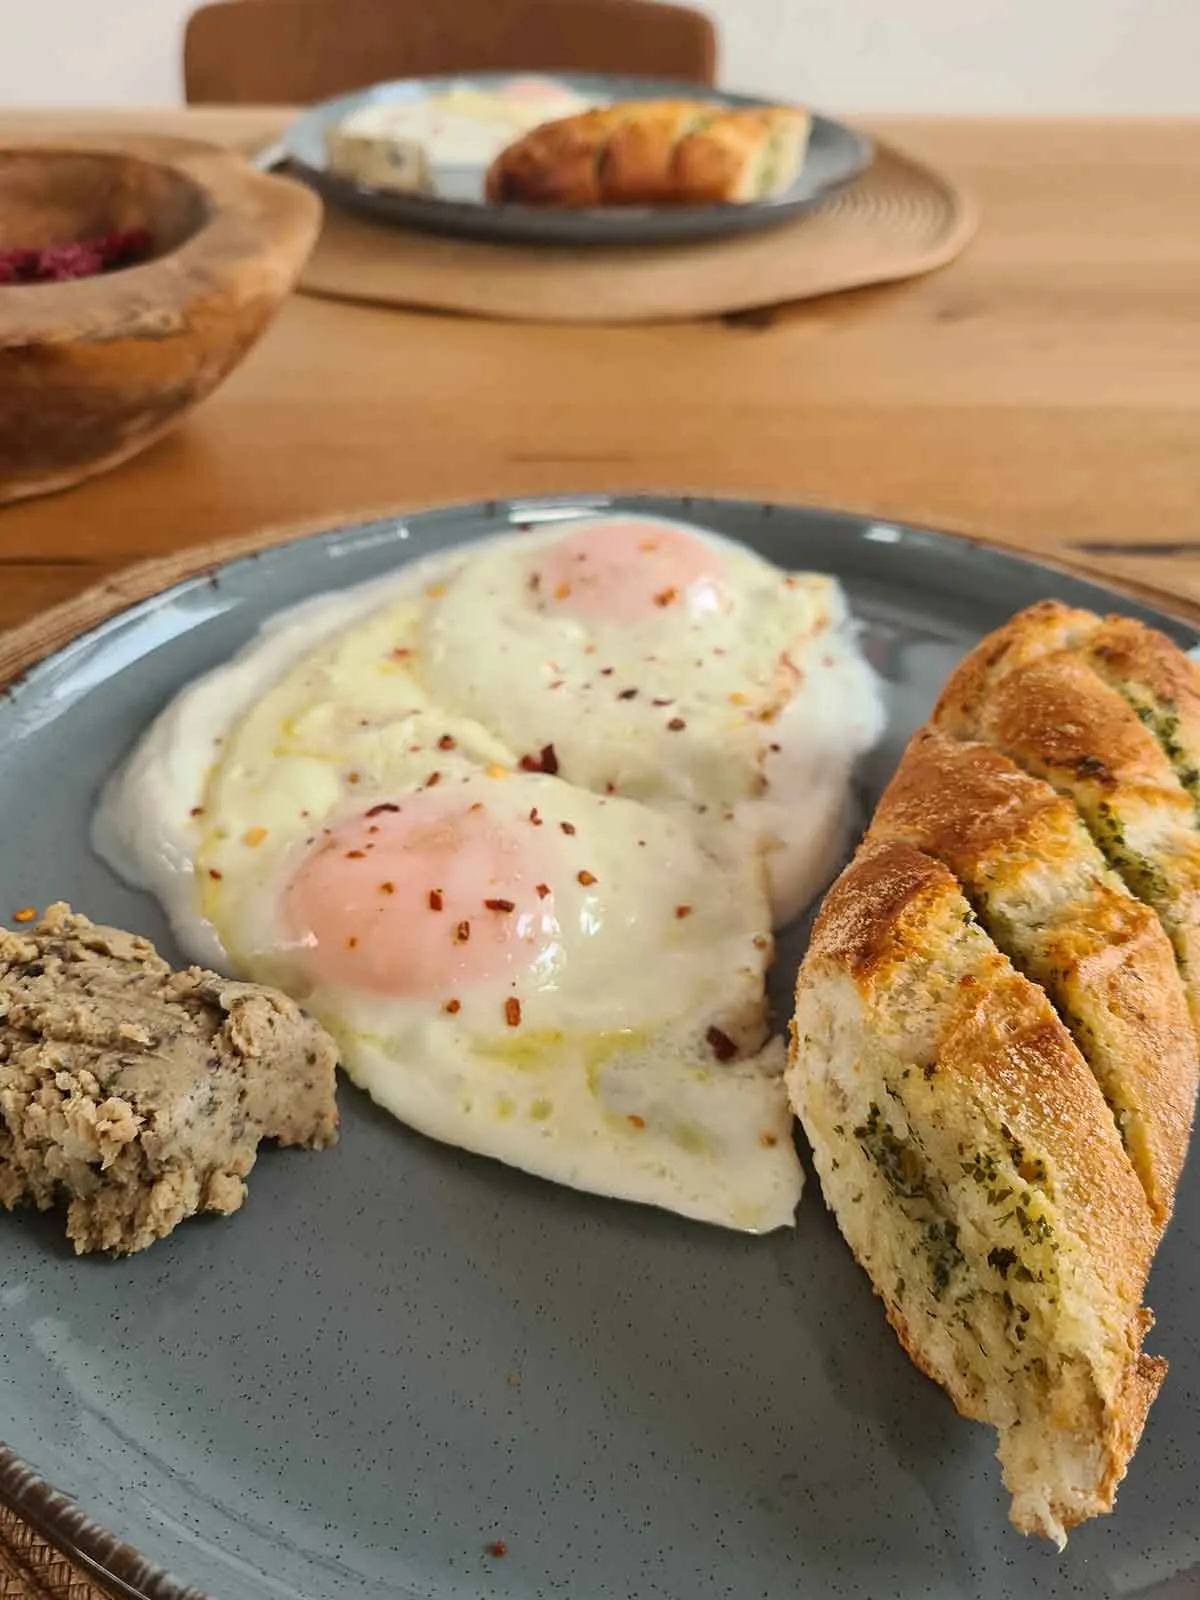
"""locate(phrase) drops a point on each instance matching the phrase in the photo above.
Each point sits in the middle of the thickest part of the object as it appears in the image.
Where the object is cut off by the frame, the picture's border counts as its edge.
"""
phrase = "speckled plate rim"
(46, 641)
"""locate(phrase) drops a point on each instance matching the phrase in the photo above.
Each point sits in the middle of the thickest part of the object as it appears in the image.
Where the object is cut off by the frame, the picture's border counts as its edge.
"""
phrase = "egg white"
(611, 1083)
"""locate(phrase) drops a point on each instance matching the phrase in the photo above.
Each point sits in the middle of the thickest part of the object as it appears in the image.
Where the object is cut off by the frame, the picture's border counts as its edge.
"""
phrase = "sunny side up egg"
(660, 662)
(539, 936)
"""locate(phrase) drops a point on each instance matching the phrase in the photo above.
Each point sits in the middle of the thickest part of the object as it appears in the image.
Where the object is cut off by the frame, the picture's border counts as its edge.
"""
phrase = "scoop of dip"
(139, 1094)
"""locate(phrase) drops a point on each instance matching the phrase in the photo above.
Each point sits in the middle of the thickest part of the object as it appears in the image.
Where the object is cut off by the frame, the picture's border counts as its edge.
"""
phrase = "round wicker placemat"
(31, 1569)
(897, 220)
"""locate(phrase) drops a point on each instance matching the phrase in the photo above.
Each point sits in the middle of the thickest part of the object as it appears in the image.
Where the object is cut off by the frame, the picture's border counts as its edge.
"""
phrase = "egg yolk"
(626, 570)
(425, 897)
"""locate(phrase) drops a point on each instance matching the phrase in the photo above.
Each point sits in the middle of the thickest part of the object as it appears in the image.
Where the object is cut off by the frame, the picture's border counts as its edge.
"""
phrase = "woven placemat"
(31, 1569)
(897, 220)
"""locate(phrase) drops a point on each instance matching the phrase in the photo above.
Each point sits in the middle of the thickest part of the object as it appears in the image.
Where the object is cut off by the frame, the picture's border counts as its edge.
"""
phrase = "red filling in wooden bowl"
(83, 258)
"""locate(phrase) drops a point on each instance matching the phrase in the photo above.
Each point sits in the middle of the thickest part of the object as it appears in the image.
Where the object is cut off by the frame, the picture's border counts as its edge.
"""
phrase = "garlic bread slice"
(1044, 893)
(1049, 711)
(977, 1174)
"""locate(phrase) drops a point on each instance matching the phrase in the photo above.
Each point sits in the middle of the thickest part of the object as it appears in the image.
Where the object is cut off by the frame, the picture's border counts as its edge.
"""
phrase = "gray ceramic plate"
(836, 154)
(397, 1354)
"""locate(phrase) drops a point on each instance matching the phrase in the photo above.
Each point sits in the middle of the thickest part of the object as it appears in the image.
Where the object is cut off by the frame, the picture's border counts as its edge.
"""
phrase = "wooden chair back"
(291, 52)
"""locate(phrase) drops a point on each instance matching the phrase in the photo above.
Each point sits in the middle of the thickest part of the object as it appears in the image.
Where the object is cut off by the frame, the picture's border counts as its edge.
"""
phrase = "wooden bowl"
(93, 370)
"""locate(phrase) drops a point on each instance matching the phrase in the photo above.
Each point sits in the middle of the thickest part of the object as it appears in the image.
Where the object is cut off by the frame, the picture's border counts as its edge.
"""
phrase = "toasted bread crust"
(996, 1058)
(1030, 692)
(1003, 1036)
(1101, 955)
(1160, 683)
(658, 152)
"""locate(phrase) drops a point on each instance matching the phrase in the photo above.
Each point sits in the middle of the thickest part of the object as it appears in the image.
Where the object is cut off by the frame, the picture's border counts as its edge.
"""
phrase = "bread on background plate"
(993, 1051)
(654, 152)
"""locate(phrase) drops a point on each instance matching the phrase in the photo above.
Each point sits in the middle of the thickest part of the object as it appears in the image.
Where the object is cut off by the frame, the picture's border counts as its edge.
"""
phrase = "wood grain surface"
(1042, 392)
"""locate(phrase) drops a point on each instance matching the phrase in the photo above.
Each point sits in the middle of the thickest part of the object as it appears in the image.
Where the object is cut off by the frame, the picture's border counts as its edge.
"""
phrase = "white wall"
(896, 55)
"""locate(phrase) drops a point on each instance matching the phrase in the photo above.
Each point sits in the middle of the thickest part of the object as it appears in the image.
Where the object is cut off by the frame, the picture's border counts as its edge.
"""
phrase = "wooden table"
(1044, 391)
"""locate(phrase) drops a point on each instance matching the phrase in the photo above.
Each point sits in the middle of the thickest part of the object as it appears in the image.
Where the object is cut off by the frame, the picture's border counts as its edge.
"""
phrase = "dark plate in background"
(836, 155)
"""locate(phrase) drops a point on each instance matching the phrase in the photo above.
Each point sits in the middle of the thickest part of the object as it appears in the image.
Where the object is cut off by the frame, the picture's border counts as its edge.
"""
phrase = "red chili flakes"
(676, 723)
(768, 1141)
(435, 900)
(535, 582)
(586, 879)
(355, 855)
(647, 545)
(432, 780)
(543, 889)
(400, 653)
(196, 811)
(384, 805)
(683, 911)
(462, 933)
(500, 905)
(387, 888)
(627, 694)
(774, 748)
(373, 828)
(662, 702)
(26, 914)
(556, 683)
(476, 805)
(721, 1044)
(534, 817)
(452, 1007)
(512, 1011)
(760, 941)
(545, 761)
(215, 874)
(562, 591)
(606, 672)
(497, 1548)
(352, 777)
(352, 943)
(446, 742)
(790, 582)
(666, 597)
(567, 827)
(635, 1121)
(610, 788)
